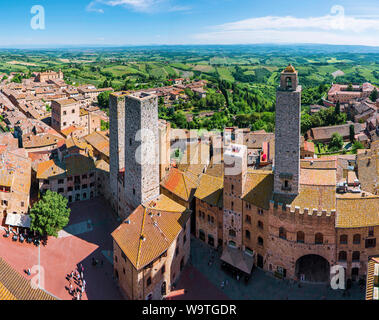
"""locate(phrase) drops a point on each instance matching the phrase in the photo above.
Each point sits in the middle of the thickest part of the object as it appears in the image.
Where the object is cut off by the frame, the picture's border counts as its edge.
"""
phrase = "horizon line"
(62, 46)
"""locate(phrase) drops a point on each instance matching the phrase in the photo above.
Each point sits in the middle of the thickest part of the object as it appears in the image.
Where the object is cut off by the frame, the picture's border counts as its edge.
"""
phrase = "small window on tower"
(288, 83)
(130, 141)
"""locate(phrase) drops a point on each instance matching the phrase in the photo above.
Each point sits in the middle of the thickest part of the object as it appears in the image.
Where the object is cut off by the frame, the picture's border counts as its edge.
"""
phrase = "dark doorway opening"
(313, 268)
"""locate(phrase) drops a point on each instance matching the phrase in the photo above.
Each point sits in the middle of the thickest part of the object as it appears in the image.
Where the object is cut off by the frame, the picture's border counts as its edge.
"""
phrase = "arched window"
(232, 233)
(343, 239)
(247, 234)
(260, 241)
(356, 256)
(357, 239)
(282, 233)
(300, 237)
(342, 256)
(319, 238)
(260, 224)
(288, 83)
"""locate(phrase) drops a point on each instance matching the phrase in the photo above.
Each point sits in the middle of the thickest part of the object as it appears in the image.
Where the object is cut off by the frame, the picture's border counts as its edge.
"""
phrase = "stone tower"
(287, 136)
(141, 149)
(116, 142)
(235, 172)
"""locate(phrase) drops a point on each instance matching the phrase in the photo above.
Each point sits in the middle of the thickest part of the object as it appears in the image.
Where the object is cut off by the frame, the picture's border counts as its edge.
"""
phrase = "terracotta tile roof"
(357, 211)
(65, 102)
(351, 177)
(308, 146)
(75, 142)
(67, 131)
(258, 188)
(315, 197)
(99, 142)
(150, 231)
(15, 287)
(319, 163)
(255, 139)
(210, 190)
(78, 164)
(318, 177)
(216, 170)
(36, 141)
(15, 172)
(180, 184)
(325, 133)
(51, 169)
(102, 165)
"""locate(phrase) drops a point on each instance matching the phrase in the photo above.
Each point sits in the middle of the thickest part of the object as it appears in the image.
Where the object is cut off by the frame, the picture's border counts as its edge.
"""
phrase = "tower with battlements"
(287, 136)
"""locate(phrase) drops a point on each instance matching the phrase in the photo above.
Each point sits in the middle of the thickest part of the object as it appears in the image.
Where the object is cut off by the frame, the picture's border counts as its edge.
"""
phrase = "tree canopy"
(336, 143)
(50, 214)
(103, 99)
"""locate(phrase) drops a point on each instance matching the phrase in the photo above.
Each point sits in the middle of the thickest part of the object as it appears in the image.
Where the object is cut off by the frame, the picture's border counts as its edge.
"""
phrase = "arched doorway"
(312, 268)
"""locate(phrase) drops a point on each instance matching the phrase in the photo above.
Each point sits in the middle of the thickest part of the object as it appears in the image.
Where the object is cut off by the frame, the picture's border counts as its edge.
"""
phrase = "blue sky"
(143, 22)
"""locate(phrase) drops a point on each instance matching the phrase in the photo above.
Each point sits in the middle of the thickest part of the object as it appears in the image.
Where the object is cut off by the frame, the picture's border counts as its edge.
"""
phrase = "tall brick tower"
(116, 142)
(141, 148)
(235, 172)
(287, 136)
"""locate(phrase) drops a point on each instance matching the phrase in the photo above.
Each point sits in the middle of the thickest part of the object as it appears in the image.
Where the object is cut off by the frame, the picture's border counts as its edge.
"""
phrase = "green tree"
(374, 95)
(356, 145)
(50, 214)
(338, 108)
(351, 132)
(336, 142)
(103, 99)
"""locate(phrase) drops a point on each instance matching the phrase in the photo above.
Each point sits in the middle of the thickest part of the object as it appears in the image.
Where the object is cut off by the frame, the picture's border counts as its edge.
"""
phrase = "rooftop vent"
(142, 237)
(127, 221)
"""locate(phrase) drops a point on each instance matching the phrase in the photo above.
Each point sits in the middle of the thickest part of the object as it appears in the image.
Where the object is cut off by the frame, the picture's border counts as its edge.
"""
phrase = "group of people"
(76, 277)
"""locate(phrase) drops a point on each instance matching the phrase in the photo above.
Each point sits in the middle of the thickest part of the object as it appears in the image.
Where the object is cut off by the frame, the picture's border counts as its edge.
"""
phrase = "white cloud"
(336, 28)
(138, 5)
(92, 7)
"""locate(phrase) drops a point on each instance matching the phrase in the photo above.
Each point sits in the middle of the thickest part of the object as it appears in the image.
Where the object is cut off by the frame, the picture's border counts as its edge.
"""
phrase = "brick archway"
(313, 268)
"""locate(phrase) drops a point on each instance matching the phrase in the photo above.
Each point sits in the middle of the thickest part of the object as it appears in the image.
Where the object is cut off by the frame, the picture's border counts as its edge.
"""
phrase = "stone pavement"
(61, 255)
(262, 285)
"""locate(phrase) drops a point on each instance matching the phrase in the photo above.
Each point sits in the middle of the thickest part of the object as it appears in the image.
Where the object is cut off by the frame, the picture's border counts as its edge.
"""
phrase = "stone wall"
(141, 148)
(116, 142)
